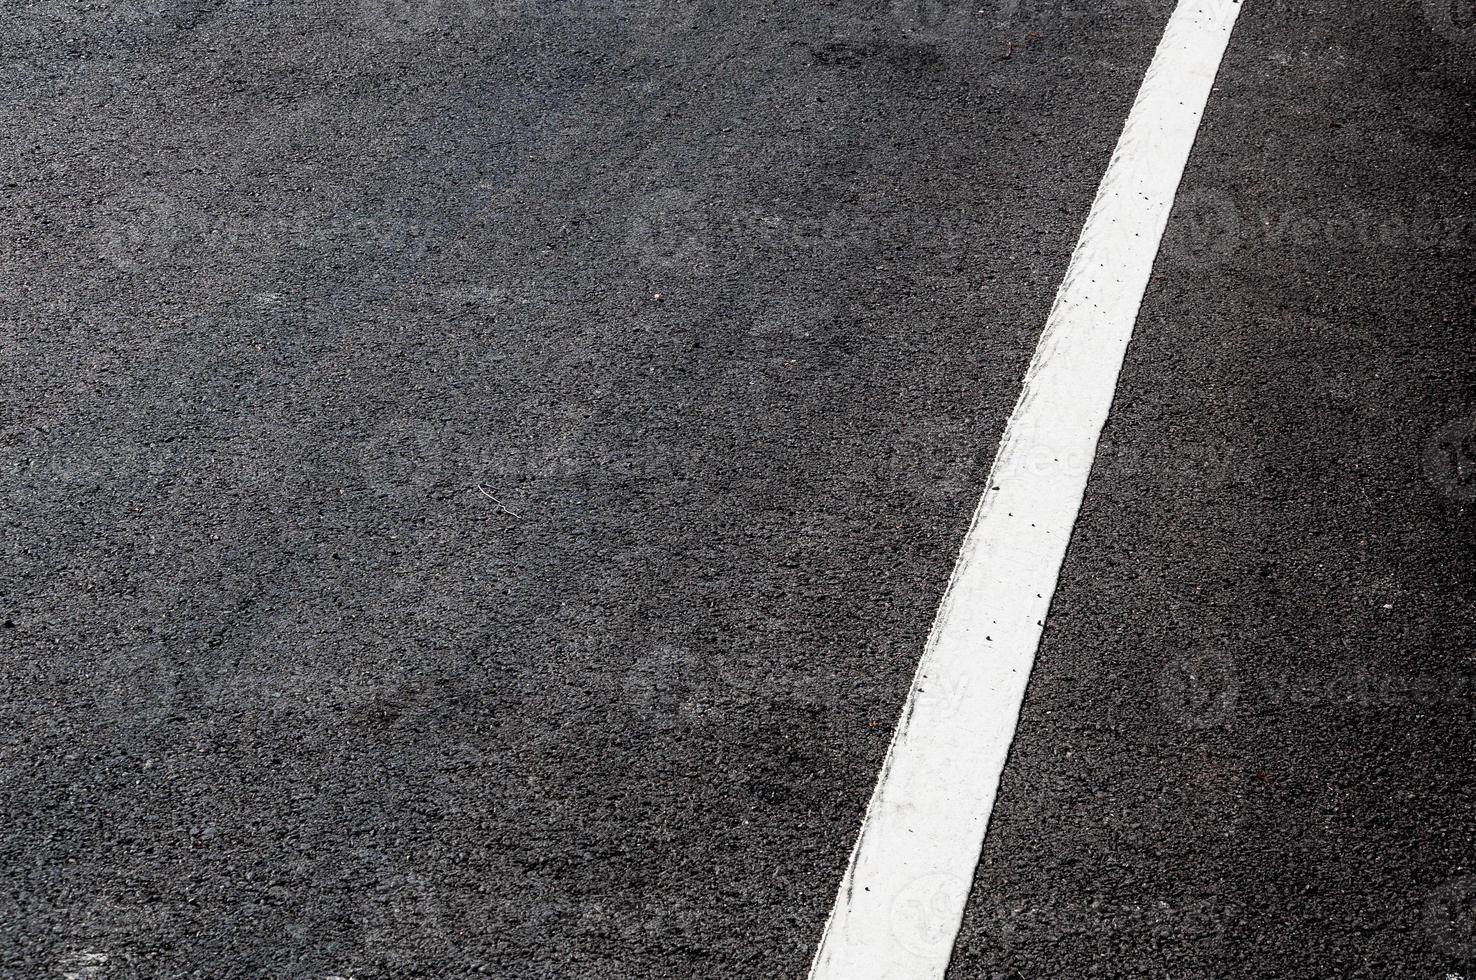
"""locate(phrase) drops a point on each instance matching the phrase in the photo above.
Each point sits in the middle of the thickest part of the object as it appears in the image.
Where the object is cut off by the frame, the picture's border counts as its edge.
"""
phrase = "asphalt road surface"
(479, 476)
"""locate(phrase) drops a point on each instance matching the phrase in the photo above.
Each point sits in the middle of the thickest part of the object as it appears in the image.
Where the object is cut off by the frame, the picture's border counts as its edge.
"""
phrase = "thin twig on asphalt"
(500, 505)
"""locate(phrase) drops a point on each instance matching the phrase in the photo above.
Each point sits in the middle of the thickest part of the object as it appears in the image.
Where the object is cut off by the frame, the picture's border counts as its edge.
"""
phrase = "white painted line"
(902, 898)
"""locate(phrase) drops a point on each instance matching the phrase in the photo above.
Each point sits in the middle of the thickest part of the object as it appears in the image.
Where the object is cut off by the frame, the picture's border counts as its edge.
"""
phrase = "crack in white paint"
(900, 904)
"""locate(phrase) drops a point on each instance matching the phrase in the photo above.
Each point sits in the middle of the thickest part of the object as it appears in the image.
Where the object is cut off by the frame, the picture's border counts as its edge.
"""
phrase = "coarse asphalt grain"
(1246, 750)
(479, 476)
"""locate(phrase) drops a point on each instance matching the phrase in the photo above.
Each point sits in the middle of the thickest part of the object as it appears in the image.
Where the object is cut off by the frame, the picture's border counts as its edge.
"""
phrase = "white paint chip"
(899, 906)
(86, 965)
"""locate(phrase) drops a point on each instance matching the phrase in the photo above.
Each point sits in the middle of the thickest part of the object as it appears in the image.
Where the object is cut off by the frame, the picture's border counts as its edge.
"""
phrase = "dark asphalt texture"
(1246, 750)
(295, 290)
(395, 586)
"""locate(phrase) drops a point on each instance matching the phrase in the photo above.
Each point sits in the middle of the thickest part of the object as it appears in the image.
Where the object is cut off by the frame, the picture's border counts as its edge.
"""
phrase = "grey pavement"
(479, 477)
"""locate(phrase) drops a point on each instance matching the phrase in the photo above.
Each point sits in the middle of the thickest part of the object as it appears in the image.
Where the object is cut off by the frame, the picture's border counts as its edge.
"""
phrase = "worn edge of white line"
(901, 902)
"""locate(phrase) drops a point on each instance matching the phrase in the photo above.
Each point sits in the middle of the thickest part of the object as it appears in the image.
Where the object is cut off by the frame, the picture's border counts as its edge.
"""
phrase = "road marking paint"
(902, 899)
(85, 965)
